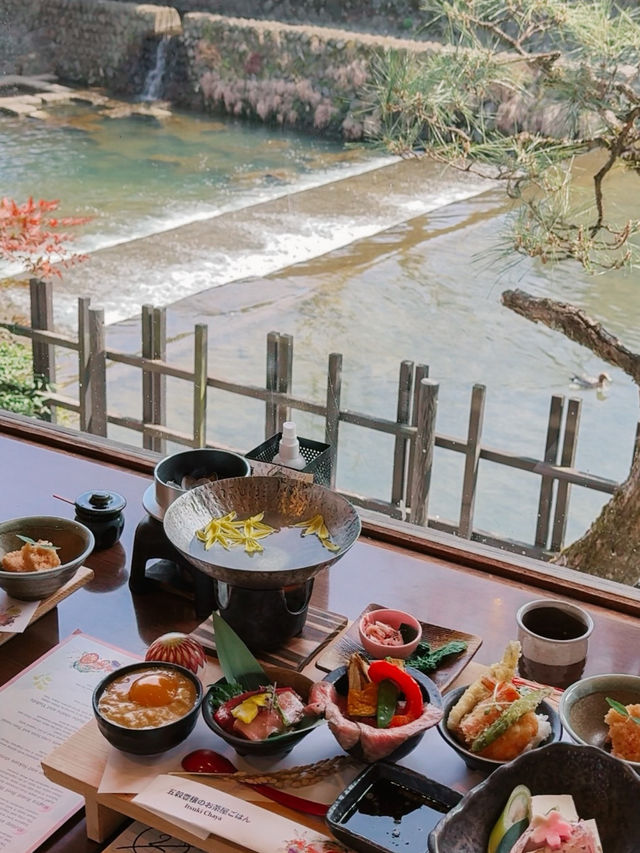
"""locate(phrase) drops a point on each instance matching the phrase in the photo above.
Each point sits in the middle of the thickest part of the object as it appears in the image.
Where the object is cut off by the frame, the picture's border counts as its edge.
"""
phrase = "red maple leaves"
(30, 237)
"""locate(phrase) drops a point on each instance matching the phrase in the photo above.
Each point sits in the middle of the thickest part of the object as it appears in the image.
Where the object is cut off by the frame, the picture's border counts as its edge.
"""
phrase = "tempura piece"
(504, 670)
(624, 732)
(32, 557)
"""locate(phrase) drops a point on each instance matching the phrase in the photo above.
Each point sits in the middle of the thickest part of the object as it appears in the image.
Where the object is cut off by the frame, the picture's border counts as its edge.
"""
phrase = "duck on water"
(600, 381)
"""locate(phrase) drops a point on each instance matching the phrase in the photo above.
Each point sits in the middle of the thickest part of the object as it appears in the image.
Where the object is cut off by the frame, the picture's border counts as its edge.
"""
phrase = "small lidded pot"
(101, 512)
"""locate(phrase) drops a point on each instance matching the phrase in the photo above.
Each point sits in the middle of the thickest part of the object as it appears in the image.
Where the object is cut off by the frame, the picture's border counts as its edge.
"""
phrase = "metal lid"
(100, 503)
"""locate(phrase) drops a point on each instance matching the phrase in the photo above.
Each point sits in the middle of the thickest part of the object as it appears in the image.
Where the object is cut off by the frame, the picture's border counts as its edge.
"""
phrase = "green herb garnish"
(31, 541)
(426, 660)
(621, 709)
(221, 693)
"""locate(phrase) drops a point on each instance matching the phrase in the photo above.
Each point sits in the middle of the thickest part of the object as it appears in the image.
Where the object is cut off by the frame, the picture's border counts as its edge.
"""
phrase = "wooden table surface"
(437, 591)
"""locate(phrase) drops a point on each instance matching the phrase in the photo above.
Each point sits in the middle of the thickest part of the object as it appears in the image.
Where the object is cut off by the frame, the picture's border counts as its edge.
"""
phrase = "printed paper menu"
(39, 709)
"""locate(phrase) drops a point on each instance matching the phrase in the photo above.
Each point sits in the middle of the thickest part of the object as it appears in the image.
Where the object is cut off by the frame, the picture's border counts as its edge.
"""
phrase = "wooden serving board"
(320, 627)
(78, 764)
(81, 577)
(347, 643)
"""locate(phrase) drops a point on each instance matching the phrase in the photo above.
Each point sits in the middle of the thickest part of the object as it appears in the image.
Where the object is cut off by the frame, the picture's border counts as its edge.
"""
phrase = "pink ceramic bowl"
(392, 618)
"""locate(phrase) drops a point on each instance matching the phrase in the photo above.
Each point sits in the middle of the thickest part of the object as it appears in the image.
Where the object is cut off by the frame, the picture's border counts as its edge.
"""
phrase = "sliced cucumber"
(511, 836)
(512, 822)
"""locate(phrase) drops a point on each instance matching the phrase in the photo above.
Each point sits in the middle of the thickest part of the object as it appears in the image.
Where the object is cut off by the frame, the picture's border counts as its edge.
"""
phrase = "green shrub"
(20, 391)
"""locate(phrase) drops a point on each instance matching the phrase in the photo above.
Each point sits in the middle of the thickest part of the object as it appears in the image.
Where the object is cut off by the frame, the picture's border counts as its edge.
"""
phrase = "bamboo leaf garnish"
(621, 709)
(31, 541)
(236, 660)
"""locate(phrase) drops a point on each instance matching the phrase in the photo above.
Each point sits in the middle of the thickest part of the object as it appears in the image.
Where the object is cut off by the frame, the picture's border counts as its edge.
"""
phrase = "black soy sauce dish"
(389, 809)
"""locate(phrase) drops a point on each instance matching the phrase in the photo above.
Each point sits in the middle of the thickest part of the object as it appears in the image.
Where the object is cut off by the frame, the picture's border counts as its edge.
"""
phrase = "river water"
(348, 251)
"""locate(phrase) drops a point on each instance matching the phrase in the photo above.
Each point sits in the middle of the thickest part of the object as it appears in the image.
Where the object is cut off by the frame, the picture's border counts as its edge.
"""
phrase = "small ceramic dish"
(73, 540)
(601, 787)
(279, 744)
(583, 707)
(478, 762)
(152, 739)
(388, 807)
(393, 619)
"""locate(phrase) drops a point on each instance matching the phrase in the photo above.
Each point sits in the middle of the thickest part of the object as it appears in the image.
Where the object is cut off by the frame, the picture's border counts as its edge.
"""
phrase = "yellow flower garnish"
(316, 525)
(228, 532)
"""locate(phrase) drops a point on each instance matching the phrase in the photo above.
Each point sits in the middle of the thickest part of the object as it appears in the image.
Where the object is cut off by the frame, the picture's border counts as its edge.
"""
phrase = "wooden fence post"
(285, 376)
(472, 461)
(423, 450)
(154, 344)
(279, 378)
(401, 446)
(332, 423)
(97, 373)
(43, 355)
(567, 460)
(200, 371)
(421, 372)
(551, 450)
(84, 358)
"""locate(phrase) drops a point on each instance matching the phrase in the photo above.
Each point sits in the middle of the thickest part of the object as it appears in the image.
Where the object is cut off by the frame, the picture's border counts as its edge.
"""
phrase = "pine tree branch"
(577, 326)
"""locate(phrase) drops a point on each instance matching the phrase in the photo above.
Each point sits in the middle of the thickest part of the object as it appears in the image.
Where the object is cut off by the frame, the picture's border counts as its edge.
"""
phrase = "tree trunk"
(611, 547)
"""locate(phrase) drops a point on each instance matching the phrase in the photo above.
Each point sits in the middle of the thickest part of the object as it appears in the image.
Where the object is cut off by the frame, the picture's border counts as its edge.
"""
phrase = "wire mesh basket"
(315, 453)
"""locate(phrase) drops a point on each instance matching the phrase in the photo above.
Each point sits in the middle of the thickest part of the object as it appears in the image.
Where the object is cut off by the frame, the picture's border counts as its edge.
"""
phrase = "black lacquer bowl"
(600, 785)
(478, 762)
(156, 739)
(279, 744)
(430, 694)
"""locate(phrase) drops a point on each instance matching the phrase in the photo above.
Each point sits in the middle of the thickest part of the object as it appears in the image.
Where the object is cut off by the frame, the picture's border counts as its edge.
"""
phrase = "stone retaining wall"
(88, 42)
(300, 76)
(386, 17)
(285, 74)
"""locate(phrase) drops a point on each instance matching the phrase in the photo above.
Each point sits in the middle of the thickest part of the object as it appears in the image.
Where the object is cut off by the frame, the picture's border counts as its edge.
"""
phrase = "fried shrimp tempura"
(514, 741)
(504, 670)
(36, 557)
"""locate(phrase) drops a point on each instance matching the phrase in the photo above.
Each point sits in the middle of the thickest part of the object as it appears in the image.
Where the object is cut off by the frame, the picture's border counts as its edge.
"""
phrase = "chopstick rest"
(231, 817)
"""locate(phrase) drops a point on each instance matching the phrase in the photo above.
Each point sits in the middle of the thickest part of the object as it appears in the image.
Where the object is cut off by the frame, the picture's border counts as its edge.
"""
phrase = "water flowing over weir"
(153, 85)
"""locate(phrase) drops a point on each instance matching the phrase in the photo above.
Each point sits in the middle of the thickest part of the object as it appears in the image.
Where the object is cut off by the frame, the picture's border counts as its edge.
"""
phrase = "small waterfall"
(152, 90)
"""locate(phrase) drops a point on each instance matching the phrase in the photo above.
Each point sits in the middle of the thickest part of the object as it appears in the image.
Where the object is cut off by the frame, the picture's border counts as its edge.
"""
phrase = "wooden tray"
(339, 652)
(78, 764)
(320, 628)
(81, 577)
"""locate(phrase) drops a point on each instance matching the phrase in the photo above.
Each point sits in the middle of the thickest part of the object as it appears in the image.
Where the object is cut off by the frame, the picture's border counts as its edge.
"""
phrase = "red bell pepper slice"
(379, 670)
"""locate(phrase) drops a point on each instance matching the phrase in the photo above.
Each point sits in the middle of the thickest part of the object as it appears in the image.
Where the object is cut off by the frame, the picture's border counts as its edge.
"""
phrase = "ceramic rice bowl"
(478, 762)
(430, 695)
(583, 707)
(74, 541)
(276, 744)
(601, 786)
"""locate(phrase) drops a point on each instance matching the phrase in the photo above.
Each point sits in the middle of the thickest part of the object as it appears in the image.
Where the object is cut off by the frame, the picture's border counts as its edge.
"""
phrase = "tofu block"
(542, 804)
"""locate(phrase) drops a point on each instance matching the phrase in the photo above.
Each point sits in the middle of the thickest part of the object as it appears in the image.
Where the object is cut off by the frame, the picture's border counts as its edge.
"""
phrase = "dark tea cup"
(554, 637)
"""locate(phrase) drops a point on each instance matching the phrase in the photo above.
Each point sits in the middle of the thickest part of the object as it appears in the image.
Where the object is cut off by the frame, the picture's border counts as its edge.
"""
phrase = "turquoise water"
(137, 175)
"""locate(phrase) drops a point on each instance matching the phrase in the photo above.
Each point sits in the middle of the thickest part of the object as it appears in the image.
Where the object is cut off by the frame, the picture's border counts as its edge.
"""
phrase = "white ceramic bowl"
(393, 618)
(74, 541)
(583, 707)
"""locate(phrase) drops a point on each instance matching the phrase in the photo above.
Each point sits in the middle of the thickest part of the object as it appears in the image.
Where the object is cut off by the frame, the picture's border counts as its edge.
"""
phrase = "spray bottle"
(289, 448)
